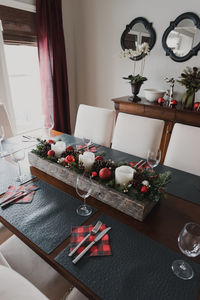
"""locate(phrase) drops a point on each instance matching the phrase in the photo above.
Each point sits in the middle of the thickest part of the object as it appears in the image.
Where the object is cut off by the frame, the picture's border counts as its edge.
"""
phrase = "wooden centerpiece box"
(122, 202)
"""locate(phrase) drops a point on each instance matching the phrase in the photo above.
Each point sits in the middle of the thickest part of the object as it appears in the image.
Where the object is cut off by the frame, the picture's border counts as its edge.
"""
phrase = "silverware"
(139, 162)
(18, 197)
(99, 237)
(95, 229)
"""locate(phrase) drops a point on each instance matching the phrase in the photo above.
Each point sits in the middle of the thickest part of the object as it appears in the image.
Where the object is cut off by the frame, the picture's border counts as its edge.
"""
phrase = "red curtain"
(53, 66)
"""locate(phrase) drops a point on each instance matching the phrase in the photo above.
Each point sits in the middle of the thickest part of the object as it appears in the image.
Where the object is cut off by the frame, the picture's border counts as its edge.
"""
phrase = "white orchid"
(143, 48)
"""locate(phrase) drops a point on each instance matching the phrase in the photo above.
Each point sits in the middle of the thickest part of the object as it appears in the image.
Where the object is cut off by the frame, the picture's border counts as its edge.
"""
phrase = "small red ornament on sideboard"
(196, 106)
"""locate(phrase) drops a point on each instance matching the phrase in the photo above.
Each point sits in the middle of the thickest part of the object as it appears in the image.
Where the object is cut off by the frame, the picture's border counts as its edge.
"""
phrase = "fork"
(95, 229)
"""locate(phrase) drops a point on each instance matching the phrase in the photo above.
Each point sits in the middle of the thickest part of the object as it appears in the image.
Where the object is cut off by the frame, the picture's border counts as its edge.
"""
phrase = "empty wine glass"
(87, 141)
(48, 126)
(18, 156)
(189, 244)
(153, 158)
(83, 189)
(2, 135)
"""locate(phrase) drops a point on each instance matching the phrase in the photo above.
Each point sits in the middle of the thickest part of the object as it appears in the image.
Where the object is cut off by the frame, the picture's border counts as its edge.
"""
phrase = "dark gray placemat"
(139, 269)
(8, 174)
(48, 219)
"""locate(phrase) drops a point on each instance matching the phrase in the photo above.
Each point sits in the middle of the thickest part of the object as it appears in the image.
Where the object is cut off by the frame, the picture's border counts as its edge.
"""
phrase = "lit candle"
(87, 159)
(123, 175)
(58, 147)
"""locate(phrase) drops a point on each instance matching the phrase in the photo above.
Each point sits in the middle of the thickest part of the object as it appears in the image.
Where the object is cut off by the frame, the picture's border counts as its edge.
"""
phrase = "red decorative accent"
(173, 103)
(105, 173)
(51, 153)
(52, 61)
(131, 164)
(69, 148)
(196, 106)
(94, 174)
(99, 158)
(69, 159)
(161, 100)
(51, 142)
(144, 189)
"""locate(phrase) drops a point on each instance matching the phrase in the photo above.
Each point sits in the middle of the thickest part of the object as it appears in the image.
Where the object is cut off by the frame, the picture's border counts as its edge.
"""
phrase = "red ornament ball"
(196, 105)
(161, 100)
(94, 174)
(105, 173)
(173, 103)
(69, 159)
(144, 189)
(51, 142)
(51, 153)
(69, 148)
(99, 157)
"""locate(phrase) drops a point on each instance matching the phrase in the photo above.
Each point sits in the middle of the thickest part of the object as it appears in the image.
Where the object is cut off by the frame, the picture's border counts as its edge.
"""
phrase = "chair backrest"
(184, 148)
(5, 121)
(95, 123)
(136, 135)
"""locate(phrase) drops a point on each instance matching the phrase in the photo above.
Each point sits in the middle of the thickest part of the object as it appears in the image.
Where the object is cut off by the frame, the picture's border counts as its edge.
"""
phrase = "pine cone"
(44, 150)
(99, 164)
(69, 152)
(137, 180)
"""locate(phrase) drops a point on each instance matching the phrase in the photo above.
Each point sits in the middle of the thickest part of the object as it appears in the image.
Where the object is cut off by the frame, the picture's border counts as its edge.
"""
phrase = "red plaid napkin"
(143, 167)
(101, 248)
(90, 149)
(12, 190)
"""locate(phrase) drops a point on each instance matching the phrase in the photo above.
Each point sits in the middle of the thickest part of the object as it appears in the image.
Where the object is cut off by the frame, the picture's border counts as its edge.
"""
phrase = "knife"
(99, 237)
(18, 197)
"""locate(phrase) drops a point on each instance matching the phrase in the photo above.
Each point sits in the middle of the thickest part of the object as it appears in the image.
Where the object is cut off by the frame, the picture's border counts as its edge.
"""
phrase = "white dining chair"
(4, 121)
(184, 148)
(136, 135)
(95, 123)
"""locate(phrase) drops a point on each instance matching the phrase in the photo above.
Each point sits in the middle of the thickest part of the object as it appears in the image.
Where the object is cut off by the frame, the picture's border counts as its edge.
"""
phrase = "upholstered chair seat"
(184, 148)
(95, 123)
(136, 135)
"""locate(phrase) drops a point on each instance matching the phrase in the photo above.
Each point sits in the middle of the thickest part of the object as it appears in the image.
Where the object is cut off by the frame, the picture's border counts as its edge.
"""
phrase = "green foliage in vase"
(135, 79)
(190, 78)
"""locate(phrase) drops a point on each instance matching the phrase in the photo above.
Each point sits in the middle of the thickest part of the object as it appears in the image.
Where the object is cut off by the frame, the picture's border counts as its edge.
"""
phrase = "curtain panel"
(53, 65)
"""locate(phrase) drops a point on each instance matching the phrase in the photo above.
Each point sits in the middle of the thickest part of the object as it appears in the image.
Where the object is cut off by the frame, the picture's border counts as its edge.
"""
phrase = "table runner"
(183, 185)
(47, 220)
(139, 269)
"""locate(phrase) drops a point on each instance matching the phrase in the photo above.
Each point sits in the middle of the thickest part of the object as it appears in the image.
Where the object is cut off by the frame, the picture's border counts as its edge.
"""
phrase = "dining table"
(139, 267)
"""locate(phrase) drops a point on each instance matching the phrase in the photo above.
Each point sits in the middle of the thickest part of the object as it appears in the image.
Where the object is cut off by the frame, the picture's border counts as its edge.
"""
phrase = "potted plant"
(190, 78)
(136, 80)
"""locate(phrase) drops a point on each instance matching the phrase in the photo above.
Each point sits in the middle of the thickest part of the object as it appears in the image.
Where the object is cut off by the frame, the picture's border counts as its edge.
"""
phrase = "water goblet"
(17, 156)
(87, 141)
(48, 126)
(189, 244)
(83, 189)
(153, 158)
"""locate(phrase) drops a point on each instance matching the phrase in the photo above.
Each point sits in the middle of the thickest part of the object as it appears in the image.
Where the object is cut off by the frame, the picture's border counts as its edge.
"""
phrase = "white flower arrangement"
(142, 49)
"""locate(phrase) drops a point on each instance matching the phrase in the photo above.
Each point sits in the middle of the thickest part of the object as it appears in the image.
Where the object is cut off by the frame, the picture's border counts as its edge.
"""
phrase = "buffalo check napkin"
(90, 149)
(101, 248)
(12, 190)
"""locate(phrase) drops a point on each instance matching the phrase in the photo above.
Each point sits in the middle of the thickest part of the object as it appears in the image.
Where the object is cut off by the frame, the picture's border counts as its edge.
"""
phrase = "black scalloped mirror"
(137, 32)
(181, 40)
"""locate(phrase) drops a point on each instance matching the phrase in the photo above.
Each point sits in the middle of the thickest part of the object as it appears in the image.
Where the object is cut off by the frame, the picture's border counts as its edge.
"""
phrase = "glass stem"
(1, 148)
(19, 169)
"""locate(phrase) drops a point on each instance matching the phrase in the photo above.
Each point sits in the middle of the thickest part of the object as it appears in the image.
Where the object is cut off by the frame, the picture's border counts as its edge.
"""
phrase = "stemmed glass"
(83, 189)
(18, 156)
(87, 141)
(189, 244)
(2, 135)
(153, 158)
(48, 126)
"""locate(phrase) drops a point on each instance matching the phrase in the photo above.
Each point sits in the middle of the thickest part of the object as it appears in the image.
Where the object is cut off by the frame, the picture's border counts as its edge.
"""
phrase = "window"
(24, 78)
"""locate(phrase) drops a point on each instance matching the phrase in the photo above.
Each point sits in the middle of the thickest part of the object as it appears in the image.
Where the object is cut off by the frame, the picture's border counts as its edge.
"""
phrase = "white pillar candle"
(59, 147)
(87, 159)
(123, 175)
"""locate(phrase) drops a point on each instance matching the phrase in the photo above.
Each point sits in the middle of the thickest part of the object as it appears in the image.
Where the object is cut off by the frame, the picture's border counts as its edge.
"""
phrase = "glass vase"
(188, 99)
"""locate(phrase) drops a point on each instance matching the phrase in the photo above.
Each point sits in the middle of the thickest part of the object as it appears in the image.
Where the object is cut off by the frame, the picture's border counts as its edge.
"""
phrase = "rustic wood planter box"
(132, 207)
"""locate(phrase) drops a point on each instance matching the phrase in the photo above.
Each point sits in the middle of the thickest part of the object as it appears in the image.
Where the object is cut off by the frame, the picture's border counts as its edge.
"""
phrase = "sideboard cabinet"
(153, 110)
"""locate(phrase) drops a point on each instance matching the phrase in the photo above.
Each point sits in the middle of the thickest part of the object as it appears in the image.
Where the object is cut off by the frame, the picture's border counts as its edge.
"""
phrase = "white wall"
(93, 29)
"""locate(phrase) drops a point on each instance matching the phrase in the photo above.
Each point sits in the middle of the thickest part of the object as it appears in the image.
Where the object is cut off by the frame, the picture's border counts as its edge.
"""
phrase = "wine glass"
(2, 135)
(83, 189)
(48, 126)
(189, 244)
(17, 156)
(153, 158)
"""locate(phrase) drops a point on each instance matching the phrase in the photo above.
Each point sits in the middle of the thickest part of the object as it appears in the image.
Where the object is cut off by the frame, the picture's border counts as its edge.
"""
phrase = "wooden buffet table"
(153, 110)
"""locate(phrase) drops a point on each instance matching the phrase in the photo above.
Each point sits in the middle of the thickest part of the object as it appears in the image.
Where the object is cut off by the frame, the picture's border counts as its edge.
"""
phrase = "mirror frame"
(173, 24)
(148, 27)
